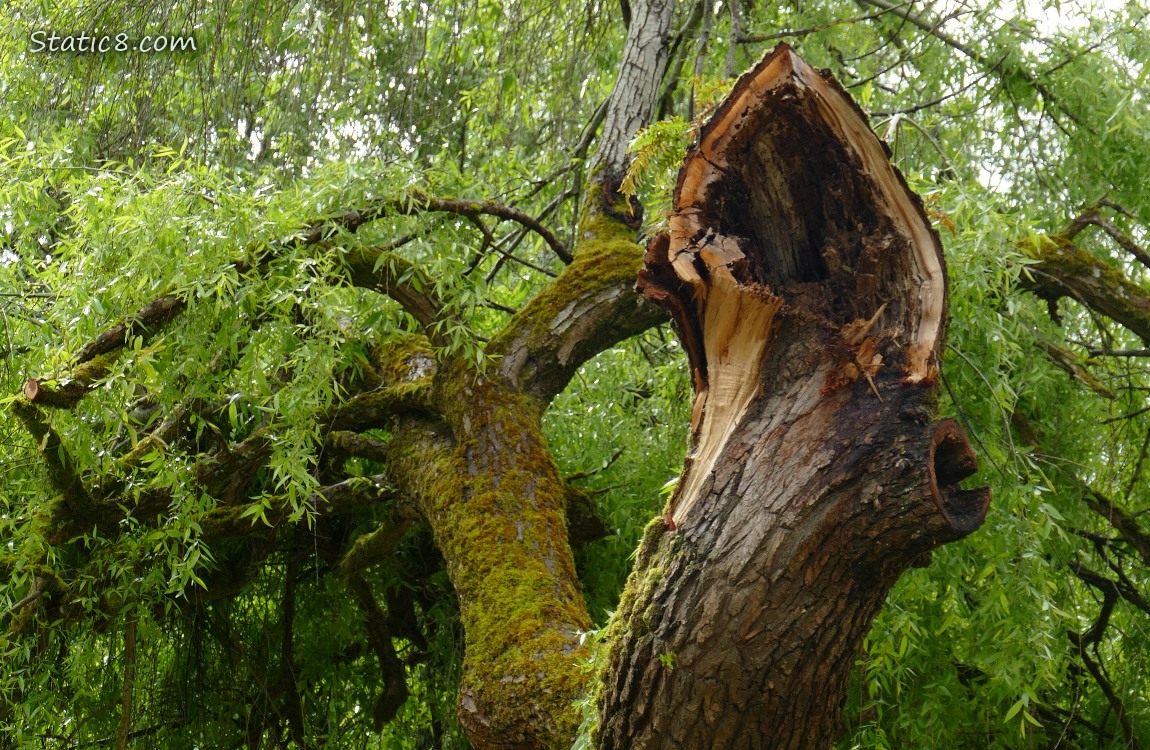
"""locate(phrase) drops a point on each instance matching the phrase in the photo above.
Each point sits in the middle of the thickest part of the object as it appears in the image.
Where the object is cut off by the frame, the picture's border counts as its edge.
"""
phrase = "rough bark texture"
(474, 462)
(1066, 270)
(810, 292)
(636, 89)
(492, 495)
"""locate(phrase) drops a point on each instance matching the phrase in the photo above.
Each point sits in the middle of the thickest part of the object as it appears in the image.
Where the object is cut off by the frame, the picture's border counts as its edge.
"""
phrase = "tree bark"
(1064, 269)
(810, 292)
(636, 89)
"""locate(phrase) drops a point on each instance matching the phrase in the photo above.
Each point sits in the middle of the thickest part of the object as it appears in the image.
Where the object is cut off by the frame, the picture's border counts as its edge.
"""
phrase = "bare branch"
(62, 471)
(34, 593)
(129, 683)
(489, 208)
(390, 274)
(1093, 216)
(1096, 352)
(1124, 523)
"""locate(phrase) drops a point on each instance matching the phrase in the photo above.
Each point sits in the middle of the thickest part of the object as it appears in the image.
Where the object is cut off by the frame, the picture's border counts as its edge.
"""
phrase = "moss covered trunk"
(810, 292)
(490, 491)
(475, 463)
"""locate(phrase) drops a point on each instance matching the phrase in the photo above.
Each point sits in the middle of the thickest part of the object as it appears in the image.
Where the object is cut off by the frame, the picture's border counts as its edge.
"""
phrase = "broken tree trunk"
(810, 292)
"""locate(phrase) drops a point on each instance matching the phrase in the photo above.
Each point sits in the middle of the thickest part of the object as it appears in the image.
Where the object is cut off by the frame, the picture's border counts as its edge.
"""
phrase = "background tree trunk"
(810, 291)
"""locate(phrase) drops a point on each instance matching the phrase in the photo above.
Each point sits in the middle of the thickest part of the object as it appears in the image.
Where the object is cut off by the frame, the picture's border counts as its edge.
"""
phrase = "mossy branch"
(95, 360)
(379, 543)
(590, 307)
(62, 471)
(342, 444)
(374, 408)
(1066, 270)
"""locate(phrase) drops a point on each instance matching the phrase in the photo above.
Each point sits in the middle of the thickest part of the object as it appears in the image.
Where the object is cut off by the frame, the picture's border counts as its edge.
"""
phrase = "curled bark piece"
(952, 460)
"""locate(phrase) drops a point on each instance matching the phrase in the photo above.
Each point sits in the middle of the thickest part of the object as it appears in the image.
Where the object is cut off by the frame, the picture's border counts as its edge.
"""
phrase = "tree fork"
(810, 292)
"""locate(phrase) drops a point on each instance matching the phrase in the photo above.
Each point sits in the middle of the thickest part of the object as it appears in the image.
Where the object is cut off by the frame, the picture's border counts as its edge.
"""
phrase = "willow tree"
(329, 376)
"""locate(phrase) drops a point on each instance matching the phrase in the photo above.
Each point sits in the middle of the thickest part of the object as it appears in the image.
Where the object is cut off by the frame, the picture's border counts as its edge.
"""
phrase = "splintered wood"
(788, 205)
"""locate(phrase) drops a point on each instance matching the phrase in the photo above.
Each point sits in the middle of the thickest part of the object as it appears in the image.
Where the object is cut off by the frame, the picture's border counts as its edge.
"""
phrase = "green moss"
(605, 202)
(1073, 260)
(95, 368)
(598, 229)
(1093, 281)
(496, 504)
(497, 507)
(406, 359)
(645, 577)
(607, 257)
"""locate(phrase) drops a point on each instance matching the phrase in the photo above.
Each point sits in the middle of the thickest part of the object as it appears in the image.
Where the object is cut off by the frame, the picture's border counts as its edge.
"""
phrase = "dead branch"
(129, 683)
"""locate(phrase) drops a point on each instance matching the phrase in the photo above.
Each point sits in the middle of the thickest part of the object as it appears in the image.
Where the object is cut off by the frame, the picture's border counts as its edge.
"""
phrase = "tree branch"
(1066, 270)
(1093, 216)
(934, 28)
(62, 470)
(1092, 637)
(589, 308)
(1124, 523)
(1067, 362)
(343, 497)
(146, 321)
(394, 693)
(129, 683)
(295, 716)
(736, 11)
(376, 269)
(471, 209)
(807, 31)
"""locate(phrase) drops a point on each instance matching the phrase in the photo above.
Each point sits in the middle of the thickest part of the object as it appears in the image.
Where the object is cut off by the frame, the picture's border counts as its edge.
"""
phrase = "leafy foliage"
(124, 178)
